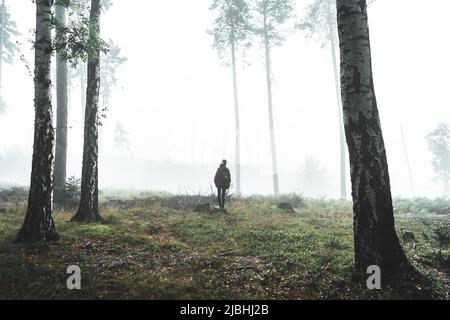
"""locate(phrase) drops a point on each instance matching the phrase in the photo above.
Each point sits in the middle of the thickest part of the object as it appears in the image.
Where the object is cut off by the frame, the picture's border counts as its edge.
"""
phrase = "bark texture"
(376, 242)
(61, 114)
(39, 224)
(88, 209)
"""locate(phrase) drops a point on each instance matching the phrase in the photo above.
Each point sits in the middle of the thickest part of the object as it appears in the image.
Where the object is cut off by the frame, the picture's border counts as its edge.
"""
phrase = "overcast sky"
(174, 96)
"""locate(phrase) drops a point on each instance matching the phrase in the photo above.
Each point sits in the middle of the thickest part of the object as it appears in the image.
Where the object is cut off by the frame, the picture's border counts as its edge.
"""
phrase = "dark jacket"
(222, 178)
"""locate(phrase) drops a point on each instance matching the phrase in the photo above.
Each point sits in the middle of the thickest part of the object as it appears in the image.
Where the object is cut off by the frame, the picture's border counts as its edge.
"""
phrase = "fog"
(174, 98)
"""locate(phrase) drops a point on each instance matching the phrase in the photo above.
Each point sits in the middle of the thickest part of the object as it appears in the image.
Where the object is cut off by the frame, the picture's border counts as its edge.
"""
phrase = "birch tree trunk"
(376, 242)
(88, 209)
(237, 121)
(276, 188)
(61, 113)
(39, 224)
(343, 177)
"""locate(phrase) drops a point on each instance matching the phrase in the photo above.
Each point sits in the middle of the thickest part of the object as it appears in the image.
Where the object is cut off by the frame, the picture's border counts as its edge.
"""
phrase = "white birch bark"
(39, 224)
(88, 209)
(376, 242)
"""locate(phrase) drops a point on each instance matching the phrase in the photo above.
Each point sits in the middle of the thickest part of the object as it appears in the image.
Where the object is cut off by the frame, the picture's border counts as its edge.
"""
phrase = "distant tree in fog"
(121, 139)
(231, 32)
(8, 47)
(110, 61)
(269, 17)
(314, 179)
(62, 104)
(375, 238)
(320, 24)
(439, 144)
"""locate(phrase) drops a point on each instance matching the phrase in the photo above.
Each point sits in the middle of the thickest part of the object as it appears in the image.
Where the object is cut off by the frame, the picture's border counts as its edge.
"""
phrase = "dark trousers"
(221, 192)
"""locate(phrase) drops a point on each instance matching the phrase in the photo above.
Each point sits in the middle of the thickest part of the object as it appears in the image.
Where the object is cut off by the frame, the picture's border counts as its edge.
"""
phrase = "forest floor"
(159, 248)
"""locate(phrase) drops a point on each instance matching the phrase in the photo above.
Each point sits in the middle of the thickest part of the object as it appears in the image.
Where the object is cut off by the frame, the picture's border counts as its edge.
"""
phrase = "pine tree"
(231, 32)
(270, 16)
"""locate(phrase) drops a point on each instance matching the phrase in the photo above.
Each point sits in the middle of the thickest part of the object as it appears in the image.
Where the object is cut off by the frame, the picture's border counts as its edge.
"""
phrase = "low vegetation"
(154, 246)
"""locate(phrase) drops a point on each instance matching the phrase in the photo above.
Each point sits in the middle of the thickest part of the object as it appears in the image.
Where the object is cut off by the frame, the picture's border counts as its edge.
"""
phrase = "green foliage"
(232, 27)
(71, 194)
(270, 16)
(442, 234)
(10, 47)
(422, 206)
(297, 200)
(439, 145)
(76, 43)
(79, 38)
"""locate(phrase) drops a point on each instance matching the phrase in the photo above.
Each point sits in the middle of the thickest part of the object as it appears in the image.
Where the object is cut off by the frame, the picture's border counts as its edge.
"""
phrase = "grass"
(160, 249)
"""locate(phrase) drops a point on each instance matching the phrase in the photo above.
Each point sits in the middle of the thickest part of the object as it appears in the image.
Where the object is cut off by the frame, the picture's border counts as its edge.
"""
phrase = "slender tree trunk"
(276, 188)
(2, 37)
(39, 224)
(376, 242)
(405, 149)
(88, 209)
(61, 114)
(83, 89)
(104, 85)
(343, 161)
(237, 121)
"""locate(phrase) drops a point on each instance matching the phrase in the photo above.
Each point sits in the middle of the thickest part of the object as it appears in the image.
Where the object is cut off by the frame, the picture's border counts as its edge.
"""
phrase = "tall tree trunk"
(83, 89)
(237, 121)
(376, 242)
(39, 224)
(61, 114)
(405, 149)
(88, 209)
(276, 188)
(104, 85)
(343, 161)
(2, 37)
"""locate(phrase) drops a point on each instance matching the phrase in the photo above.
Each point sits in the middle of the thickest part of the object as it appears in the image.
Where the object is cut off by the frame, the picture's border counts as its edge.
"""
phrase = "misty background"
(174, 101)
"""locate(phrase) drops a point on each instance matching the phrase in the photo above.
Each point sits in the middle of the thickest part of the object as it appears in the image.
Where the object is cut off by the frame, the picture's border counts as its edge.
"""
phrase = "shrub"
(422, 205)
(71, 194)
(295, 199)
(442, 235)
